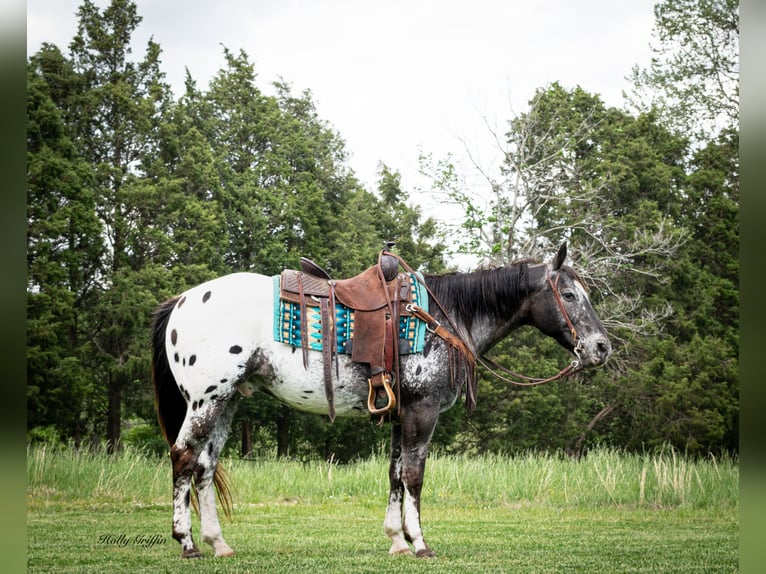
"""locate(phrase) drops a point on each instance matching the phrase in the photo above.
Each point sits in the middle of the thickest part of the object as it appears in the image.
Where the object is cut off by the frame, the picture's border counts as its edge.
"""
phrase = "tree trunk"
(283, 431)
(576, 450)
(247, 438)
(113, 413)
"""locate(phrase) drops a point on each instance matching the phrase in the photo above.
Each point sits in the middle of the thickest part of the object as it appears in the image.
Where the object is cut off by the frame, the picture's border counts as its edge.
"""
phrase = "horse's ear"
(561, 256)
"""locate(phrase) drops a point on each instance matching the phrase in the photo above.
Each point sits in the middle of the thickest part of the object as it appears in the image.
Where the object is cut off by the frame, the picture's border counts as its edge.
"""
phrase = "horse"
(214, 344)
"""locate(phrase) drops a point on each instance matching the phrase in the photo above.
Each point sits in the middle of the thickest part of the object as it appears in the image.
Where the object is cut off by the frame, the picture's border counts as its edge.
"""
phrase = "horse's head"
(561, 309)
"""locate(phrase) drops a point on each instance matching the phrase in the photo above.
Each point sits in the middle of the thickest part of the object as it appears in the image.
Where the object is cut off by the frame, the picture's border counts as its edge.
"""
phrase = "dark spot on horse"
(192, 360)
(304, 398)
(308, 392)
(174, 336)
(199, 404)
(213, 397)
(211, 388)
(181, 301)
(418, 370)
(205, 297)
(235, 349)
(210, 448)
(224, 380)
(187, 498)
(194, 406)
(184, 362)
(176, 358)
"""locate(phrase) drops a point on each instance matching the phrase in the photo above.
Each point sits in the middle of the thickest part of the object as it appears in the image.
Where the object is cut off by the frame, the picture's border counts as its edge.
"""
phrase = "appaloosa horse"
(216, 342)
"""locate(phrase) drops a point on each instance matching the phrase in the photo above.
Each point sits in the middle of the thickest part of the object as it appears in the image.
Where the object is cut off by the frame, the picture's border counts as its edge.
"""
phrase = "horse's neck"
(486, 306)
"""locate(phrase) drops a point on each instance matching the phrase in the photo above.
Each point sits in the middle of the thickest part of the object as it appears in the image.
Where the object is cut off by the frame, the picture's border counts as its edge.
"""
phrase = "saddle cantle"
(364, 316)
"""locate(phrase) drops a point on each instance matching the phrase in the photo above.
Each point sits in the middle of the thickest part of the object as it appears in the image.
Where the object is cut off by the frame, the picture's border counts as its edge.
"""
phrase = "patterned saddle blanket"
(287, 322)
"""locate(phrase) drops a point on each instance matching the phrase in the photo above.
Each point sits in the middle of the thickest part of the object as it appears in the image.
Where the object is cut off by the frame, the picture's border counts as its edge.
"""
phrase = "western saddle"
(378, 297)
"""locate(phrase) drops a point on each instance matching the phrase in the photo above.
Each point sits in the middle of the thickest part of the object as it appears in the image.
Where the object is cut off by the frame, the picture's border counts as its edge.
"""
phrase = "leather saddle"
(378, 297)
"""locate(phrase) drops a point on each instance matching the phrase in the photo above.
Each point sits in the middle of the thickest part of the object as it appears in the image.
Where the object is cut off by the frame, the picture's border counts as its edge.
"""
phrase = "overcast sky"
(394, 77)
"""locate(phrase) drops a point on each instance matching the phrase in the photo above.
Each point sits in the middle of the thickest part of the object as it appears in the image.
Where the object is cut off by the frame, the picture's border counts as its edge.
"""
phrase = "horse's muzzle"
(594, 350)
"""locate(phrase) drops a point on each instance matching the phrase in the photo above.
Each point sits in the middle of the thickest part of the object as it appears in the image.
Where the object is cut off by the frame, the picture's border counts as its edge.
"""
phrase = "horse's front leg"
(414, 429)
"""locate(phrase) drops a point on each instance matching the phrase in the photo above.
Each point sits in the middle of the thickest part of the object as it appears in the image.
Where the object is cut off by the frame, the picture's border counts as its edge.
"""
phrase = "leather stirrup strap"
(333, 331)
(304, 322)
(390, 341)
(327, 354)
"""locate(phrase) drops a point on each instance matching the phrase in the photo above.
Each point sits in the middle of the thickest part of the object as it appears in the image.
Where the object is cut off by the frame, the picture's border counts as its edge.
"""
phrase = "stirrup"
(385, 379)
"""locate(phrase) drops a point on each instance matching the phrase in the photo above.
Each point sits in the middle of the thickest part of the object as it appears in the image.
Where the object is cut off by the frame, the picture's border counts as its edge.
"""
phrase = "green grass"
(610, 512)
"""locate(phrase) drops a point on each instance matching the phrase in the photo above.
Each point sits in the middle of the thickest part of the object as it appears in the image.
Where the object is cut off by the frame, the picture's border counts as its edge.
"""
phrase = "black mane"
(488, 292)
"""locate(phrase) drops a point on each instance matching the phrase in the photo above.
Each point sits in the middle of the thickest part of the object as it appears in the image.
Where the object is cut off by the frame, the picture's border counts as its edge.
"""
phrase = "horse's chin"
(583, 363)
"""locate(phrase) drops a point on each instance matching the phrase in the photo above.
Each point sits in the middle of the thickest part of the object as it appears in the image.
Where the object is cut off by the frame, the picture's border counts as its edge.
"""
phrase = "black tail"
(168, 400)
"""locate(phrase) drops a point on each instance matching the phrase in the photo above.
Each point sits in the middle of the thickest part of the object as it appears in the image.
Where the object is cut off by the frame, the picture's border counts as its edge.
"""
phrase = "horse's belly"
(304, 389)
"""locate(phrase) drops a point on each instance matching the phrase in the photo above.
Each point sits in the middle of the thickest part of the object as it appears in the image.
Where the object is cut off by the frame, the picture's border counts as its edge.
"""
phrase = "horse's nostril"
(604, 348)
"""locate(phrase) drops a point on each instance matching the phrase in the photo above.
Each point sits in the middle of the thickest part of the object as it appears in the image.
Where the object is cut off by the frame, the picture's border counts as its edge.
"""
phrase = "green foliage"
(652, 228)
(662, 478)
(64, 249)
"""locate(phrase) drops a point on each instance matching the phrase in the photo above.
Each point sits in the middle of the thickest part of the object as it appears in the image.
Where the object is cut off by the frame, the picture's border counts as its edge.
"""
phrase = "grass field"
(609, 512)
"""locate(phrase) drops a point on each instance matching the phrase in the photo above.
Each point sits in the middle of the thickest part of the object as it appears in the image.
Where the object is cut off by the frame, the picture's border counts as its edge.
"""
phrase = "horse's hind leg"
(207, 463)
(183, 459)
(192, 455)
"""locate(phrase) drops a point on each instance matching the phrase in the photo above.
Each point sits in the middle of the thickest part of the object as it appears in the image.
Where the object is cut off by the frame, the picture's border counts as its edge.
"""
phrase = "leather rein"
(490, 365)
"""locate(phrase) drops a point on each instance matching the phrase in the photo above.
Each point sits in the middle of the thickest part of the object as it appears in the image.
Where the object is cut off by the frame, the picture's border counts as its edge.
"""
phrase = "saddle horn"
(389, 264)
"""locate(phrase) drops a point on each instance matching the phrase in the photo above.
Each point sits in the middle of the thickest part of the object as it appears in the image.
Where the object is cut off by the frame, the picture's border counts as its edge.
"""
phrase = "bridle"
(493, 366)
(433, 326)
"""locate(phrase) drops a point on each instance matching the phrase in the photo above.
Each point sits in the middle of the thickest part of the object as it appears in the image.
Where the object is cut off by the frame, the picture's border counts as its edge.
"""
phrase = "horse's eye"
(568, 296)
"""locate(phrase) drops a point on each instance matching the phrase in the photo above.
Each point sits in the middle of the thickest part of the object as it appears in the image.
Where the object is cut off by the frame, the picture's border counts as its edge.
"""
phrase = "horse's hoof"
(224, 553)
(401, 552)
(426, 553)
(193, 553)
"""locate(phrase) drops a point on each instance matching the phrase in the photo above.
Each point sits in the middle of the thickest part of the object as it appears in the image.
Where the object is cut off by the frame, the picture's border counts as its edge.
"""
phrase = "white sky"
(394, 77)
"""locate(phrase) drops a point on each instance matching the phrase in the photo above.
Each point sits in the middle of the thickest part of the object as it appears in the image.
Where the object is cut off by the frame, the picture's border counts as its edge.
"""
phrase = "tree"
(64, 250)
(693, 78)
(606, 182)
(114, 117)
(693, 84)
(416, 240)
(617, 188)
